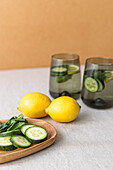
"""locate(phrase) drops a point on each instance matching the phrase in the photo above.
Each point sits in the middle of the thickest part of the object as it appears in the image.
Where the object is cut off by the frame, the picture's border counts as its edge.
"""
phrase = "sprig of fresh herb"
(13, 123)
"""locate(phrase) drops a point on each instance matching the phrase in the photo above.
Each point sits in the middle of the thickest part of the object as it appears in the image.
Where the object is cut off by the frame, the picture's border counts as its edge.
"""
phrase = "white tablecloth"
(84, 144)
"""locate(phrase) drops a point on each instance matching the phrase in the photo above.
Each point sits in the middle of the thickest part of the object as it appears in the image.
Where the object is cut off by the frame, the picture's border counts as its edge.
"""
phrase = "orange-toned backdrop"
(31, 31)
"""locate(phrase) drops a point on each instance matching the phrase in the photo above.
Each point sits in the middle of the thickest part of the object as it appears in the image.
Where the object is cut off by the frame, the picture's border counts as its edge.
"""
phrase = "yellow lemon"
(73, 69)
(34, 104)
(63, 109)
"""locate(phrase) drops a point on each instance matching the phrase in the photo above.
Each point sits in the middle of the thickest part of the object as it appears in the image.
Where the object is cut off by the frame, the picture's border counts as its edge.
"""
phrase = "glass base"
(98, 103)
(65, 93)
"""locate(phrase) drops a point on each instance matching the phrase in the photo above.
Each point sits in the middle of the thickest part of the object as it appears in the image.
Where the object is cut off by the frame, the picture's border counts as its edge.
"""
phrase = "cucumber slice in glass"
(6, 144)
(20, 141)
(100, 85)
(24, 127)
(108, 73)
(91, 84)
(36, 134)
(62, 79)
(10, 133)
(98, 74)
(58, 70)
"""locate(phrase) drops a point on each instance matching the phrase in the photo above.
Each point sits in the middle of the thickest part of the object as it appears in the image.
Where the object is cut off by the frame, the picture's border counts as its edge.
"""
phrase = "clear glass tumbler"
(97, 90)
(65, 75)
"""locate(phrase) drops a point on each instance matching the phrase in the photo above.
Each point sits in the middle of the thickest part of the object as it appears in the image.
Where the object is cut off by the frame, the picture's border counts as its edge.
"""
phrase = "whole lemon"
(63, 109)
(34, 104)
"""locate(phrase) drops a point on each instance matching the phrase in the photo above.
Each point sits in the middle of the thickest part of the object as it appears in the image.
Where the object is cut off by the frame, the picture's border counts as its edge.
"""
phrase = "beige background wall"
(31, 31)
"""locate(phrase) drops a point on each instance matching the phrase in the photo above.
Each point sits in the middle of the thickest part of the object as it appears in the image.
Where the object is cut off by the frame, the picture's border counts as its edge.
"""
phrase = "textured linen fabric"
(84, 144)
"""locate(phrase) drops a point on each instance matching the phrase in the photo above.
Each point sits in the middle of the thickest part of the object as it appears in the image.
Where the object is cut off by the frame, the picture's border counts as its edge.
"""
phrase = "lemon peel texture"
(63, 109)
(33, 105)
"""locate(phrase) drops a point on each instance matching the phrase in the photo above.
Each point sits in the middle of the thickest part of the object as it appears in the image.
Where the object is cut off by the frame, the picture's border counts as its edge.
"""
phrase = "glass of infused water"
(97, 90)
(65, 75)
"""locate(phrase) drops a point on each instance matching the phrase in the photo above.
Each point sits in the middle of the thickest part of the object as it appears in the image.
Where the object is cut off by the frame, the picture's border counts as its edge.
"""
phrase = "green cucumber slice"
(6, 144)
(91, 84)
(20, 141)
(100, 85)
(62, 79)
(58, 70)
(108, 73)
(36, 134)
(98, 74)
(10, 133)
(24, 127)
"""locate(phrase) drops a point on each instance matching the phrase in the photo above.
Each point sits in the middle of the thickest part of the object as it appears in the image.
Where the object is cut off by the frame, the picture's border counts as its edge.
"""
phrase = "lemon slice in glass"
(108, 76)
(73, 69)
(108, 79)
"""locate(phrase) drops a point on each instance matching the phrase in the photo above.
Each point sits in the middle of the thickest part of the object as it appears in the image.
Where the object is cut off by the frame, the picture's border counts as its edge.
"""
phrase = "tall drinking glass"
(65, 75)
(97, 90)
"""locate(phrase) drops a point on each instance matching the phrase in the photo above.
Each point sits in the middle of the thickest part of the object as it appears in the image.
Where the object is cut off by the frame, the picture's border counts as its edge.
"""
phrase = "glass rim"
(105, 58)
(75, 56)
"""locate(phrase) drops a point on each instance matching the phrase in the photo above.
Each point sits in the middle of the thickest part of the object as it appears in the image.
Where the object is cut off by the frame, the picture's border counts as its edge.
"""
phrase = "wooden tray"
(6, 156)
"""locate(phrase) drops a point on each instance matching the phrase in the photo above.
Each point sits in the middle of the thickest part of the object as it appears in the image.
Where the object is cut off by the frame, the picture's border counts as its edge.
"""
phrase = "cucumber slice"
(108, 73)
(36, 134)
(62, 79)
(20, 141)
(58, 70)
(24, 127)
(11, 133)
(73, 69)
(98, 74)
(91, 84)
(5, 144)
(100, 84)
